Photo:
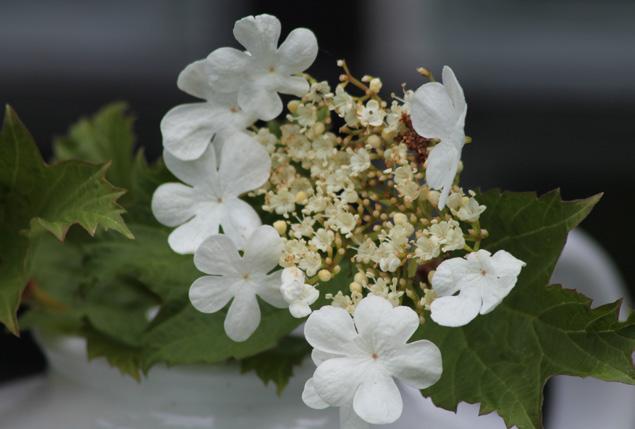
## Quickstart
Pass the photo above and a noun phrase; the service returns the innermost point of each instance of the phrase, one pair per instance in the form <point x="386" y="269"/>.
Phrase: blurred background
<point x="550" y="84"/>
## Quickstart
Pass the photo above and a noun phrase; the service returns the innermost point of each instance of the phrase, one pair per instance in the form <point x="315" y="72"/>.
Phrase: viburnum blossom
<point x="438" y="112"/>
<point x="239" y="279"/>
<point x="188" y="129"/>
<point x="265" y="69"/>
<point x="481" y="281"/>
<point x="358" y="360"/>
<point x="297" y="293"/>
<point x="209" y="199"/>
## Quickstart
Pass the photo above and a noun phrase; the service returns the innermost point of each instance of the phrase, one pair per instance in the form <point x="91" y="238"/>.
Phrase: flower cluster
<point x="349" y="182"/>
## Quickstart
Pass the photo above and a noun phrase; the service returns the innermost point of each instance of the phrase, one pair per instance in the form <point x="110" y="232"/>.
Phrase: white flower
<point x="345" y="106"/>
<point x="209" y="198"/>
<point x="481" y="280"/>
<point x="386" y="257"/>
<point x="359" y="359"/>
<point x="371" y="114"/>
<point x="465" y="208"/>
<point x="360" y="161"/>
<point x="265" y="70"/>
<point x="448" y="234"/>
<point x="296" y="293"/>
<point x="438" y="111"/>
<point x="323" y="239"/>
<point x="239" y="279"/>
<point x="427" y="248"/>
<point x="188" y="129"/>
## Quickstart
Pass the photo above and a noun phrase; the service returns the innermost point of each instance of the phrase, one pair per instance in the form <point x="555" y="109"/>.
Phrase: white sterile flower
<point x="359" y="359"/>
<point x="438" y="111"/>
<point x="465" y="208"/>
<point x="371" y="114"/>
<point x="188" y="129"/>
<point x="239" y="279"/>
<point x="296" y="293"/>
<point x="481" y="280"/>
<point x="209" y="198"/>
<point x="265" y="70"/>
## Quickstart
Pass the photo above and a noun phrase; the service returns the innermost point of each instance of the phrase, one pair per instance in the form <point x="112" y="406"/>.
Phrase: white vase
<point x="76" y="394"/>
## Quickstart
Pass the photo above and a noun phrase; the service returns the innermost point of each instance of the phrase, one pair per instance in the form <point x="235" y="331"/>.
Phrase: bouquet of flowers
<point x="344" y="212"/>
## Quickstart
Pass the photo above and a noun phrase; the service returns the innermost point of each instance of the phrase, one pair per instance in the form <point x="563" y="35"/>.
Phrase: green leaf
<point x="276" y="365"/>
<point x="106" y="136"/>
<point x="36" y="197"/>
<point x="503" y="359"/>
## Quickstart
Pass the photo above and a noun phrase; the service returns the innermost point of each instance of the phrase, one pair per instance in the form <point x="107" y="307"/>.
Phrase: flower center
<point x="219" y="200"/>
<point x="374" y="356"/>
<point x="483" y="272"/>
<point x="234" y="109"/>
<point x="272" y="69"/>
<point x="246" y="276"/>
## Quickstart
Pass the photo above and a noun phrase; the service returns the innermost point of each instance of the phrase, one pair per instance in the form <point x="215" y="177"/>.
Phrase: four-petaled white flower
<point x="481" y="280"/>
<point x="209" y="199"/>
<point x="239" y="279"/>
<point x="438" y="111"/>
<point x="188" y="129"/>
<point x="265" y="70"/>
<point x="359" y="359"/>
<point x="296" y="293"/>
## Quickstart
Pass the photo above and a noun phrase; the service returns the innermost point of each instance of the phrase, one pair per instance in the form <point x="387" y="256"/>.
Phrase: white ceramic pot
<point x="77" y="394"/>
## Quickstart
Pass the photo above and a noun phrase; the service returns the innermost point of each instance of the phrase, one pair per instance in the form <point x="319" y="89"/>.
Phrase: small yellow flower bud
<point x="359" y="278"/>
<point x="292" y="105"/>
<point x="337" y="269"/>
<point x="355" y="287"/>
<point x="318" y="128"/>
<point x="374" y="141"/>
<point x="280" y="226"/>
<point x="433" y="198"/>
<point x="300" y="197"/>
<point x="375" y="85"/>
<point x="324" y="275"/>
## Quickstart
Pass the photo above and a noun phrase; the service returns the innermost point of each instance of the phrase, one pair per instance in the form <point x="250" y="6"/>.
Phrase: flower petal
<point x="243" y="316"/>
<point x="330" y="329"/>
<point x="263" y="249"/>
<point x="198" y="172"/>
<point x="189" y="236"/>
<point x="396" y="327"/>
<point x="445" y="280"/>
<point x="298" y="51"/>
<point x="454" y="91"/>
<point x="259" y="34"/>
<point x="269" y="290"/>
<point x="239" y="221"/>
<point x="244" y="165"/>
<point x="457" y="310"/>
<point x="187" y="130"/>
<point x="218" y="255"/>
<point x="336" y="380"/>
<point x="260" y="100"/>
<point x="432" y="111"/>
<point x="350" y="420"/>
<point x="311" y="398"/>
<point x="173" y="204"/>
<point x="442" y="165"/>
<point x="369" y="313"/>
<point x="194" y="80"/>
<point x="226" y="68"/>
<point x="318" y="356"/>
<point x="418" y="364"/>
<point x="209" y="294"/>
<point x="378" y="400"/>
<point x="299" y="310"/>
<point x="294" y="85"/>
